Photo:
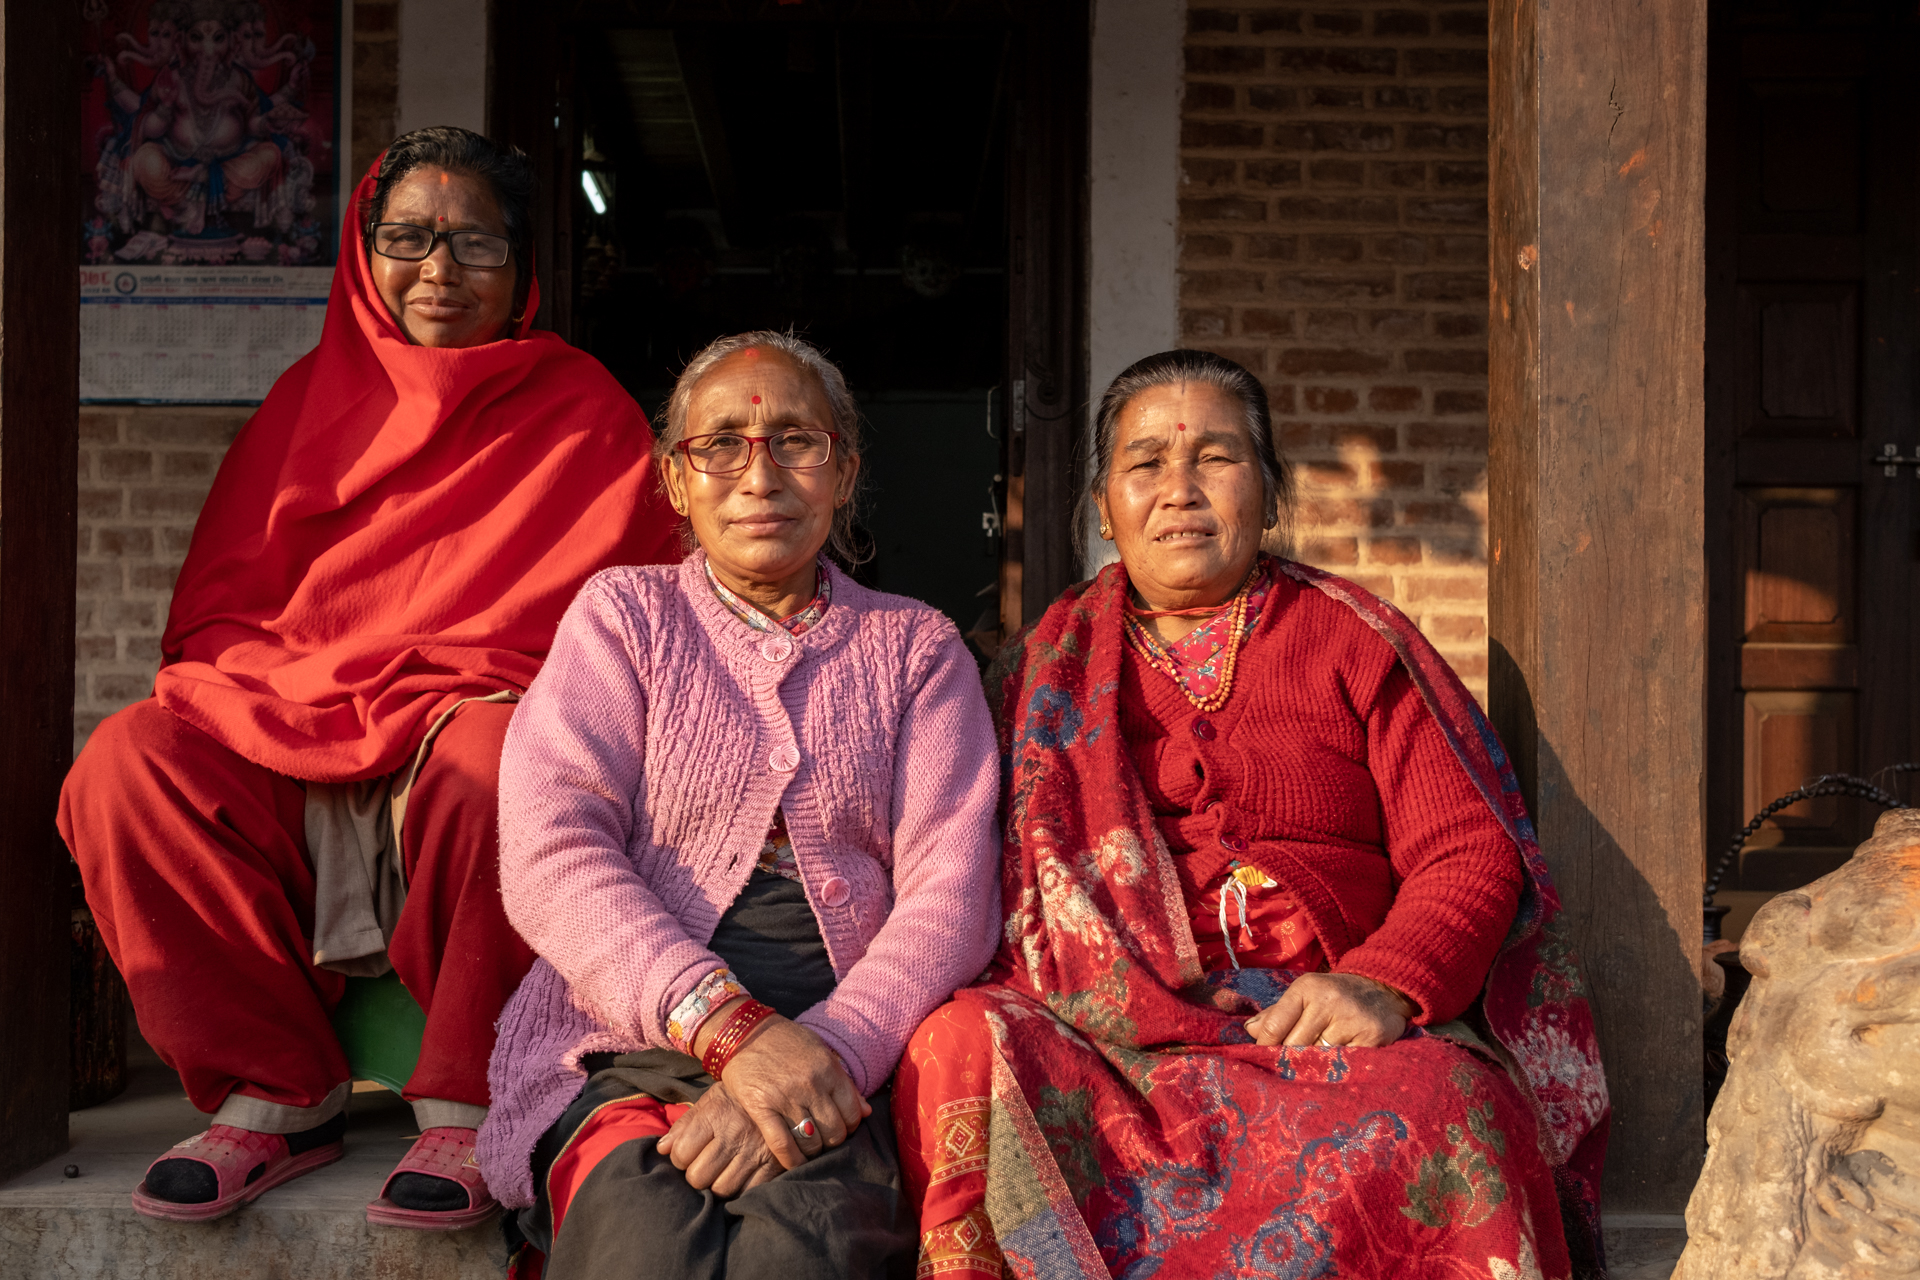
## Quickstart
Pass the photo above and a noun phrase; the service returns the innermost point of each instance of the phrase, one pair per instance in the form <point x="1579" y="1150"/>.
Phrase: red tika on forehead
<point x="756" y="399"/>
<point x="1181" y="425"/>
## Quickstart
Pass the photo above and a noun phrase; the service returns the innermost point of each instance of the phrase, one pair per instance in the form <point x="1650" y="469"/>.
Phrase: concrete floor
<point x="1643" y="1246"/>
<point x="57" y="1228"/>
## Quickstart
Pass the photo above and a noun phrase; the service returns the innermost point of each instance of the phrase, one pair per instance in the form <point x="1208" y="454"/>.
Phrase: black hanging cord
<point x="1829" y="784"/>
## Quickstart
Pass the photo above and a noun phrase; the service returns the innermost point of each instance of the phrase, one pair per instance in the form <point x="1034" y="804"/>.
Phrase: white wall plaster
<point x="1134" y="252"/>
<point x="443" y="64"/>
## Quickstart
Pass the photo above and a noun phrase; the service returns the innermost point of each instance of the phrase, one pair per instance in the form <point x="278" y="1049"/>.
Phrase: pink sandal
<point x="442" y="1152"/>
<point x="245" y="1166"/>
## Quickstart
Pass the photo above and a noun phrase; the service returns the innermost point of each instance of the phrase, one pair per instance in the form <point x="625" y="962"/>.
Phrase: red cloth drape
<point x="399" y="527"/>
<point x="199" y="875"/>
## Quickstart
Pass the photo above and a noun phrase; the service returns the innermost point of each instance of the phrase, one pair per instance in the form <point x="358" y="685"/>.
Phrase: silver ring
<point x="1324" y="1044"/>
<point x="805" y="1129"/>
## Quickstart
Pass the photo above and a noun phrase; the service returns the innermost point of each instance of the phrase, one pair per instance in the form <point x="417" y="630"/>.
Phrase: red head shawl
<point x="399" y="527"/>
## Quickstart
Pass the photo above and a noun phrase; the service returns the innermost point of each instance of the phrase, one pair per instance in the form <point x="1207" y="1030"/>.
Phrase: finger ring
<point x="1324" y="1044"/>
<point x="805" y="1128"/>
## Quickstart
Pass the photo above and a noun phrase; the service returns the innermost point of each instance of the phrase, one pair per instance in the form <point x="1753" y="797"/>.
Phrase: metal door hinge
<point x="1891" y="460"/>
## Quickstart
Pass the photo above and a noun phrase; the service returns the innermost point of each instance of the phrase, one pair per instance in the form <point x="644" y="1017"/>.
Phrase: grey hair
<point x="1170" y="368"/>
<point x="846" y="415"/>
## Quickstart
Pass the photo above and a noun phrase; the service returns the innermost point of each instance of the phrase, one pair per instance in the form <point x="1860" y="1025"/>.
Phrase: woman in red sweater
<point x="1283" y="988"/>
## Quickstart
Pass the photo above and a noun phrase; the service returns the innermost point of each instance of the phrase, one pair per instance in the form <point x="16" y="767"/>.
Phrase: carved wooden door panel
<point x="1812" y="310"/>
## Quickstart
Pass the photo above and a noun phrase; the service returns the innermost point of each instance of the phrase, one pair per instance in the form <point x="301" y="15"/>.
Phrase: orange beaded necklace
<point x="1157" y="656"/>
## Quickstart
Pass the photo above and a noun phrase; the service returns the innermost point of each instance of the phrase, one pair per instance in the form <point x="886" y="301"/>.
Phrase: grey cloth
<point x="261" y="1116"/>
<point x="359" y="868"/>
<point x="771" y="940"/>
<point x="840" y="1216"/>
<point x="359" y="880"/>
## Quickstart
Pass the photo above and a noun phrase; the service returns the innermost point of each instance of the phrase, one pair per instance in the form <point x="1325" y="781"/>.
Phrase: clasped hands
<point x="741" y="1133"/>
<point x="1333" y="1009"/>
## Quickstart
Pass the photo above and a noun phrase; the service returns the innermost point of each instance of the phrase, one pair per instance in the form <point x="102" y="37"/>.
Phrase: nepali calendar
<point x="160" y="335"/>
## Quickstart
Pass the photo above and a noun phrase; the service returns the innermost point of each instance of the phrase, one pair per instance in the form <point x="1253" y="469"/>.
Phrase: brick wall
<point x="1333" y="239"/>
<point x="376" y="79"/>
<point x="1333" y="225"/>
<point x="144" y="472"/>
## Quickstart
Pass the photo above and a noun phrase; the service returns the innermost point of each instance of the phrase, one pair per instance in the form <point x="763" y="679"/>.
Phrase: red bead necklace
<point x="1157" y="656"/>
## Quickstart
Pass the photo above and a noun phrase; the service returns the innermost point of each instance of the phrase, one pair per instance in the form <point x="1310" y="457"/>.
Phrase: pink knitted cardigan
<point x="639" y="777"/>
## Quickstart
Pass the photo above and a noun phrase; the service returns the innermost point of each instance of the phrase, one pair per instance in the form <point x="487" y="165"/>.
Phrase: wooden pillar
<point x="39" y="378"/>
<point x="1046" y="294"/>
<point x="1597" y="608"/>
<point x="530" y="106"/>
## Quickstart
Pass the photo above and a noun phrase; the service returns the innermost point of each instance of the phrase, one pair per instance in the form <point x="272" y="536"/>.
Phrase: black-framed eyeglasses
<point x="408" y="243"/>
<point x="722" y="453"/>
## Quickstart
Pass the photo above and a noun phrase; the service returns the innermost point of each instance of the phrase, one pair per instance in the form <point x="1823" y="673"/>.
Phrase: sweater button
<point x="836" y="891"/>
<point x="1234" y="843"/>
<point x="785" y="759"/>
<point x="776" y="648"/>
<point x="1203" y="730"/>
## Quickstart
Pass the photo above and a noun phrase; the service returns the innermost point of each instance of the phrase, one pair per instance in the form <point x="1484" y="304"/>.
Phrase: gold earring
<point x="1106" y="531"/>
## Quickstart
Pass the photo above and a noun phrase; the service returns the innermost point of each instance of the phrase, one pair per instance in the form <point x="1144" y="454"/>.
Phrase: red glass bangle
<point x="728" y="1040"/>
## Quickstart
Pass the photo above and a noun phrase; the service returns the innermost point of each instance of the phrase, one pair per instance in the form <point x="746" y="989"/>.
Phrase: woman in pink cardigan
<point x="747" y="819"/>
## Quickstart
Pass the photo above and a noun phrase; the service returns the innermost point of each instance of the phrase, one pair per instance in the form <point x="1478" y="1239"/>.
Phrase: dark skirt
<point x="842" y="1214"/>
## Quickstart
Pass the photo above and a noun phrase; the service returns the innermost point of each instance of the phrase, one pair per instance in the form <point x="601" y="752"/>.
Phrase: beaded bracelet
<point x="733" y="1034"/>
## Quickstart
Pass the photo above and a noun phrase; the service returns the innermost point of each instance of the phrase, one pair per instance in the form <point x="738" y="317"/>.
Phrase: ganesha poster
<point x="210" y="189"/>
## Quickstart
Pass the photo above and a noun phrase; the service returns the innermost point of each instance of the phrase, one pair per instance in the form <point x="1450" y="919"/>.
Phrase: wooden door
<point x="1812" y="307"/>
<point x="537" y="46"/>
<point x="39" y="425"/>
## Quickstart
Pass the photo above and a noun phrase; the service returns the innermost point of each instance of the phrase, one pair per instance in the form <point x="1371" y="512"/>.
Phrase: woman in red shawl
<point x="309" y="793"/>
<point x="1283" y="989"/>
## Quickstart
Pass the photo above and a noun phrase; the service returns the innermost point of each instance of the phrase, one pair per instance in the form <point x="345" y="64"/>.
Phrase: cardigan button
<point x="1203" y="730"/>
<point x="785" y="759"/>
<point x="1235" y="843"/>
<point x="776" y="648"/>
<point x="836" y="891"/>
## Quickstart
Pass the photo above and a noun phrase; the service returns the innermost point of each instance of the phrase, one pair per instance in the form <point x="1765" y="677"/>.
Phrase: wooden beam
<point x="1597" y="583"/>
<point x="1046" y="329"/>
<point x="39" y="454"/>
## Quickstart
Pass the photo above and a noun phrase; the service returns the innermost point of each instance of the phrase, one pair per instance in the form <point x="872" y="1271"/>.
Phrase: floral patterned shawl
<point x="1133" y="1125"/>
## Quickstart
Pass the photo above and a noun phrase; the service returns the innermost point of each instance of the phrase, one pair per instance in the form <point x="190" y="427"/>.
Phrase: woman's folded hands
<point x="1329" y="1009"/>
<point x="718" y="1146"/>
<point x="753" y="1125"/>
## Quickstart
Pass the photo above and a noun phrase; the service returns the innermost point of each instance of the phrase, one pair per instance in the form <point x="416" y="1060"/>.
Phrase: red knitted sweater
<point x="1327" y="771"/>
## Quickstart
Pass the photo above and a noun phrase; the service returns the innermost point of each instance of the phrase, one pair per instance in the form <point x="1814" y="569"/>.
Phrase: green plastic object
<point x="380" y="1026"/>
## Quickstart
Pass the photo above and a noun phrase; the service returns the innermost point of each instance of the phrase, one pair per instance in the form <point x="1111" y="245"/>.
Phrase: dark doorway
<point x="901" y="183"/>
<point x="1813" y="339"/>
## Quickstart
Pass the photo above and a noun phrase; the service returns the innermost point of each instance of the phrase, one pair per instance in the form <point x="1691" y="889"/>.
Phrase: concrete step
<point x="57" y="1228"/>
<point x="1643" y="1246"/>
<point x="314" y="1228"/>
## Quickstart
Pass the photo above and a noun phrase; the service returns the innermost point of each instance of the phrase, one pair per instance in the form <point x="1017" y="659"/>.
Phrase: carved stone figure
<point x="1813" y="1171"/>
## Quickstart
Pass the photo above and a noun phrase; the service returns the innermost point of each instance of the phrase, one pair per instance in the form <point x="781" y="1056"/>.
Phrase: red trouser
<point x="196" y="867"/>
